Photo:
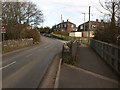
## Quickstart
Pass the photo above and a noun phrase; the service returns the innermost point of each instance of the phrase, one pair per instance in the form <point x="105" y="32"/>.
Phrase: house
<point x="94" y="25"/>
<point x="64" y="28"/>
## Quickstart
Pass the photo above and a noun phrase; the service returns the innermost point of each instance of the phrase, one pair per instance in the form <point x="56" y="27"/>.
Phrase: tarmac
<point x="90" y="72"/>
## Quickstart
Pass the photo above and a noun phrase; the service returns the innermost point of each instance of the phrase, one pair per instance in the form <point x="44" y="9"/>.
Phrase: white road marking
<point x="28" y="55"/>
<point x="9" y="59"/>
<point x="8" y="65"/>
<point x="47" y="46"/>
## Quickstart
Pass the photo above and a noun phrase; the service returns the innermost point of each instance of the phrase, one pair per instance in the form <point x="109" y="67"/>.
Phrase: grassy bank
<point x="63" y="37"/>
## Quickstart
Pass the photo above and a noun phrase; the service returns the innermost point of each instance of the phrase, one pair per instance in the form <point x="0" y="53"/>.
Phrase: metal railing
<point x="110" y="53"/>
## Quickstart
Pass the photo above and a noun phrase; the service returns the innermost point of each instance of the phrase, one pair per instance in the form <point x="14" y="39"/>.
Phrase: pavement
<point x="25" y="68"/>
<point x="50" y="77"/>
<point x="90" y="72"/>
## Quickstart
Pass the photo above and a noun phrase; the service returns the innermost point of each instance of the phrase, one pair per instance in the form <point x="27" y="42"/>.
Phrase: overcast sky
<point x="70" y="9"/>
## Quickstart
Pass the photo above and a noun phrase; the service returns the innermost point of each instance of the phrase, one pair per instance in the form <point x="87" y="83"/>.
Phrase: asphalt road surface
<point x="26" y="68"/>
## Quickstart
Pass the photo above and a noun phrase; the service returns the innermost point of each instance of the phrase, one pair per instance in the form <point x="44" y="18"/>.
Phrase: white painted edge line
<point x="29" y="55"/>
<point x="47" y="46"/>
<point x="94" y="74"/>
<point x="58" y="75"/>
<point x="8" y="65"/>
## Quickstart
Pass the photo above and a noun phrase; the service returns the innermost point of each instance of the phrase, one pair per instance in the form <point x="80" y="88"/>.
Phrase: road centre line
<point x="47" y="46"/>
<point x="8" y="65"/>
<point x="20" y="54"/>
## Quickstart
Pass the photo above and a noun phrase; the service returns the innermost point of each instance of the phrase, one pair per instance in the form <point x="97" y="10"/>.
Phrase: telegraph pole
<point x="89" y="26"/>
<point x="61" y="17"/>
<point x="84" y="21"/>
<point x="61" y="25"/>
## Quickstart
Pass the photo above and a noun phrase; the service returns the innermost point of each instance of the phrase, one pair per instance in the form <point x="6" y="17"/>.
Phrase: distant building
<point x="94" y="25"/>
<point x="64" y="28"/>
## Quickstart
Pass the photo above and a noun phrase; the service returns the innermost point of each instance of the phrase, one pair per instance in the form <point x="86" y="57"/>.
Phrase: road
<point x="26" y="68"/>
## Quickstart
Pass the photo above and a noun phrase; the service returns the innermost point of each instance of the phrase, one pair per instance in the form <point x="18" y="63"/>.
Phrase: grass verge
<point x="59" y="36"/>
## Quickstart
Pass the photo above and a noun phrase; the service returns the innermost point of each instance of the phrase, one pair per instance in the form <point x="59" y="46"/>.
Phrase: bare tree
<point x="16" y="13"/>
<point x="113" y="8"/>
<point x="110" y="33"/>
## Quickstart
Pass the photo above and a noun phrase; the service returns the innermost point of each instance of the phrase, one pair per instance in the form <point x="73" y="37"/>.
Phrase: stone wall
<point x="11" y="45"/>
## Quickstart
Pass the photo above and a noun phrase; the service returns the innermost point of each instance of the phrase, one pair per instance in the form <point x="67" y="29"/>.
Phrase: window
<point x="81" y="27"/>
<point x="93" y="26"/>
<point x="62" y="25"/>
<point x="59" y="26"/>
<point x="72" y="25"/>
<point x="102" y="26"/>
<point x="62" y="30"/>
<point x="65" y="25"/>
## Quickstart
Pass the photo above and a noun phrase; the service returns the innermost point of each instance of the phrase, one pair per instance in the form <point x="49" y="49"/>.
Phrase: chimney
<point x="102" y="20"/>
<point x="96" y="20"/>
<point x="67" y="20"/>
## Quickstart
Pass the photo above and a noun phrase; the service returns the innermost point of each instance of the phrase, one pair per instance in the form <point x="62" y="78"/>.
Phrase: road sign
<point x="3" y="30"/>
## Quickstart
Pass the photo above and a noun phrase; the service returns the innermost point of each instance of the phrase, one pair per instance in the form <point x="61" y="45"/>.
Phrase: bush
<point x="36" y="36"/>
<point x="107" y="35"/>
<point x="31" y="33"/>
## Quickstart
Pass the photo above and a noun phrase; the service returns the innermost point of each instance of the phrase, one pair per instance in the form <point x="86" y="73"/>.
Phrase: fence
<point x="10" y="45"/>
<point x="110" y="53"/>
<point x="69" y="52"/>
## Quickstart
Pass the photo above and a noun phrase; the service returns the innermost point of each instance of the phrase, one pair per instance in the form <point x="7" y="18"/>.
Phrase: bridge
<point x="98" y="66"/>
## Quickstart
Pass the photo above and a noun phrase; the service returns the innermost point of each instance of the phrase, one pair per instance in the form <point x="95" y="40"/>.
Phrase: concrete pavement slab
<point x="72" y="77"/>
<point x="90" y="72"/>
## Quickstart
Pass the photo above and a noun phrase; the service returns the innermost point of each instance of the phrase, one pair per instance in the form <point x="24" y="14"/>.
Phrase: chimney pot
<point x="96" y="20"/>
<point x="101" y="20"/>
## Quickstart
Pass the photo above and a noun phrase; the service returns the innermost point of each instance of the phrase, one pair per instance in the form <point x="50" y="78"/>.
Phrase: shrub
<point x="31" y="33"/>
